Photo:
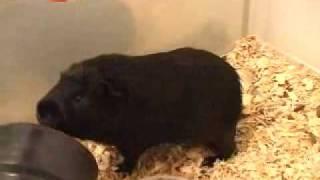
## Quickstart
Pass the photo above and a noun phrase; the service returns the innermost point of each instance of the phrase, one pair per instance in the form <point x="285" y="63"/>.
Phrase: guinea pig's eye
<point x="78" y="98"/>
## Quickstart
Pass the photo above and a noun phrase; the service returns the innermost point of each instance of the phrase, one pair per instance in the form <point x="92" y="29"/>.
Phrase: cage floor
<point x="277" y="138"/>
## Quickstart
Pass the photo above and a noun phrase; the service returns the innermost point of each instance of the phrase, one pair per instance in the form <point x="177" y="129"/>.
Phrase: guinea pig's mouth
<point x="49" y="114"/>
<point x="52" y="123"/>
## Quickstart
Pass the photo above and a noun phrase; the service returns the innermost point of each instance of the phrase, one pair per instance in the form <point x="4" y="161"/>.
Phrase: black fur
<point x="134" y="102"/>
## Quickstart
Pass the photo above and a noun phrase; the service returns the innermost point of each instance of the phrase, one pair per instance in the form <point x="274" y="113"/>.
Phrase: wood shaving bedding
<point x="277" y="137"/>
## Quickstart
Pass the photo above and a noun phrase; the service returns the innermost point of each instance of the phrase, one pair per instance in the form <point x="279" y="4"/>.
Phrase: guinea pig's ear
<point x="113" y="88"/>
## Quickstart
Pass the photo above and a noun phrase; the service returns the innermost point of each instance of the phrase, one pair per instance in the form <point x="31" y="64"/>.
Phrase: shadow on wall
<point x="212" y="37"/>
<point x="201" y="24"/>
<point x="38" y="39"/>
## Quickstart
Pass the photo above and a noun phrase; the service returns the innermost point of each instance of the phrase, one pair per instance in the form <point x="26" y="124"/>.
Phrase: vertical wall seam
<point x="246" y="17"/>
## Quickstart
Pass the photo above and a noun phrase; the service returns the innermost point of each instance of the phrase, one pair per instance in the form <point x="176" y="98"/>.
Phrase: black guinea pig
<point x="185" y="95"/>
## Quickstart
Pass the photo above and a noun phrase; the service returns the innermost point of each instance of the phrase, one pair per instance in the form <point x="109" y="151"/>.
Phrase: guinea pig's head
<point x="84" y="103"/>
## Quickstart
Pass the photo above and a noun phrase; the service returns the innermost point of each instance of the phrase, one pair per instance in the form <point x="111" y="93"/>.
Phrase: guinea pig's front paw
<point x="125" y="167"/>
<point x="209" y="161"/>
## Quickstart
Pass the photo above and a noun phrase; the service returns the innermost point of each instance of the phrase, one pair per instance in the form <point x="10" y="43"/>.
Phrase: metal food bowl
<point x="35" y="152"/>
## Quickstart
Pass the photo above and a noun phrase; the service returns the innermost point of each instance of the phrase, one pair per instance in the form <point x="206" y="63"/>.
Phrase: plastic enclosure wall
<point x="291" y="26"/>
<point x="39" y="38"/>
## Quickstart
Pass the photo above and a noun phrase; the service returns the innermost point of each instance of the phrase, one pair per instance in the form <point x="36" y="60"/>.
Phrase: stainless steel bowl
<point x="34" y="152"/>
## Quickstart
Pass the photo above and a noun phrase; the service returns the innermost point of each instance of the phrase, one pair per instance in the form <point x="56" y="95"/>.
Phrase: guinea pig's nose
<point x="49" y="113"/>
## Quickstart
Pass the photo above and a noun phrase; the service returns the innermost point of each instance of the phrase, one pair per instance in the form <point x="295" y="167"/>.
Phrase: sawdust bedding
<point x="277" y="137"/>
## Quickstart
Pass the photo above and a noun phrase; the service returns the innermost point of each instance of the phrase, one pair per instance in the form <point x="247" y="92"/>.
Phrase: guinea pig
<point x="185" y="95"/>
